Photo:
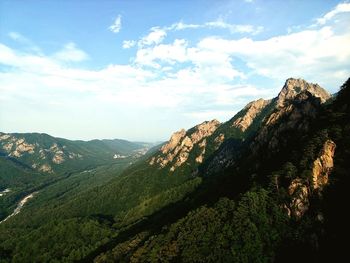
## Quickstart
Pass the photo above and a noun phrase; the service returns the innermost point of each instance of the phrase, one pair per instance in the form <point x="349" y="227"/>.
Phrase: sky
<point x="141" y="70"/>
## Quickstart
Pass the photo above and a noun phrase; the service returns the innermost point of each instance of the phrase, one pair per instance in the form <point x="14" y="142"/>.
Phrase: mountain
<point x="48" y="154"/>
<point x="32" y="161"/>
<point x="267" y="185"/>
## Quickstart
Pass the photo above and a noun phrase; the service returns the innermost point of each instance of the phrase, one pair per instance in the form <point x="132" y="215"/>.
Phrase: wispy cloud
<point x="71" y="53"/>
<point x="129" y="43"/>
<point x="26" y="42"/>
<point x="18" y="37"/>
<point x="219" y="23"/>
<point x="339" y="9"/>
<point x="155" y="36"/>
<point x="117" y="25"/>
<point x="198" y="79"/>
<point x="234" y="28"/>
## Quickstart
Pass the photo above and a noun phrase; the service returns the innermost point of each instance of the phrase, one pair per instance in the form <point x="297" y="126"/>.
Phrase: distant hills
<point x="44" y="153"/>
<point x="268" y="185"/>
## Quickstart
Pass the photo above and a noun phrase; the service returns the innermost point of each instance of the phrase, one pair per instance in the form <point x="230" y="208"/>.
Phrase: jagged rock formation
<point x="296" y="115"/>
<point x="181" y="143"/>
<point x="323" y="166"/>
<point x="297" y="103"/>
<point x="16" y="147"/>
<point x="293" y="87"/>
<point x="252" y="110"/>
<point x="202" y="145"/>
<point x="299" y="190"/>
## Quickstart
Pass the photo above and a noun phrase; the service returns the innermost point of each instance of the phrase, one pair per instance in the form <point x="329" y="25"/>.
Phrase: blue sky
<point x="140" y="70"/>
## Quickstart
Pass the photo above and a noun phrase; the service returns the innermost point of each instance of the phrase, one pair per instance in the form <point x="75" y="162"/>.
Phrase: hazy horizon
<point x="140" y="71"/>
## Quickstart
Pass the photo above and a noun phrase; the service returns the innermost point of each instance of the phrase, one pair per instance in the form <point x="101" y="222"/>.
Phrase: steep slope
<point x="252" y="158"/>
<point x="294" y="162"/>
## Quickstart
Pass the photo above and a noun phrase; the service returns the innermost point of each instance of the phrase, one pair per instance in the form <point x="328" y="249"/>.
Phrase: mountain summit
<point x="266" y="183"/>
<point x="293" y="87"/>
<point x="192" y="147"/>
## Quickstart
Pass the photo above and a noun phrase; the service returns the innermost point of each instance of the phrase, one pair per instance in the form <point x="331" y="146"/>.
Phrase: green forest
<point x="235" y="206"/>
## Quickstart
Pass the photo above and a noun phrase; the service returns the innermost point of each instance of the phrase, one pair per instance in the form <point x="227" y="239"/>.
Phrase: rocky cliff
<point x="294" y="115"/>
<point x="301" y="190"/>
<point x="323" y="166"/>
<point x="293" y="87"/>
<point x="252" y="109"/>
<point x="177" y="150"/>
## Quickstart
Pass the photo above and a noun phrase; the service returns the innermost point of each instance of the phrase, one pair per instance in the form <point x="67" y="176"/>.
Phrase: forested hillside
<point x="269" y="185"/>
<point x="30" y="162"/>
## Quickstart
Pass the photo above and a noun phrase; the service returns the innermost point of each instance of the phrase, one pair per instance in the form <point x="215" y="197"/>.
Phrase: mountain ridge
<point x="258" y="193"/>
<point x="241" y="121"/>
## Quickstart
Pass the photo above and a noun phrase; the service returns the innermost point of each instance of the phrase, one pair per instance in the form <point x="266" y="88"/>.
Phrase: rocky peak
<point x="181" y="144"/>
<point x="252" y="110"/>
<point x="204" y="129"/>
<point x="293" y="87"/>
<point x="173" y="142"/>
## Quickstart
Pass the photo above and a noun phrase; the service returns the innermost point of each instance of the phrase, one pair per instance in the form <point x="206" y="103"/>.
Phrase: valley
<point x="20" y="206"/>
<point x="171" y="200"/>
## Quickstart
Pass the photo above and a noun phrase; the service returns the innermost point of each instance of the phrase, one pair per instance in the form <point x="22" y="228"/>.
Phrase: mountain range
<point x="268" y="185"/>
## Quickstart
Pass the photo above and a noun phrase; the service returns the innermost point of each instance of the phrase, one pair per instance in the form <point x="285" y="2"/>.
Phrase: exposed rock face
<point x="296" y="116"/>
<point x="202" y="145"/>
<point x="173" y="142"/>
<point x="300" y="198"/>
<point x="219" y="140"/>
<point x="178" y="149"/>
<point x="299" y="190"/>
<point x="252" y="110"/>
<point x="43" y="156"/>
<point x="59" y="155"/>
<point x="323" y="166"/>
<point x="297" y="103"/>
<point x="45" y="168"/>
<point x="4" y="137"/>
<point x="16" y="147"/>
<point x="293" y="87"/>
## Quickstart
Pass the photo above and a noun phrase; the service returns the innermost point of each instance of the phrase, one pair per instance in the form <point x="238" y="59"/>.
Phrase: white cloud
<point x="204" y="79"/>
<point x="219" y="23"/>
<point x="234" y="28"/>
<point x="340" y="8"/>
<point x="181" y="26"/>
<point x="117" y="25"/>
<point x="169" y="53"/>
<point x="71" y="53"/>
<point x="129" y="43"/>
<point x="306" y="54"/>
<point x="156" y="36"/>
